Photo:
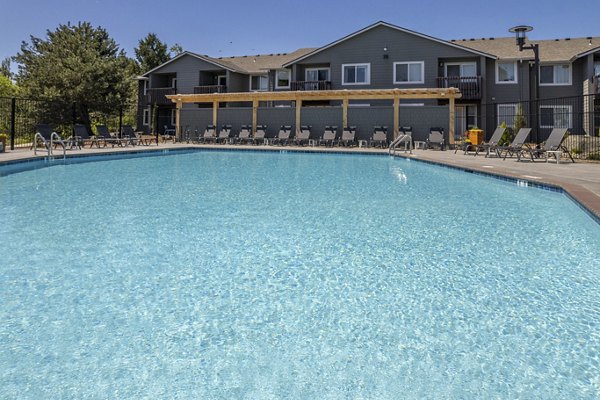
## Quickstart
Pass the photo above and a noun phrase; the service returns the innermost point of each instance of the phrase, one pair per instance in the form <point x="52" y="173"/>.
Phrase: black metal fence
<point x="19" y="116"/>
<point x="579" y="114"/>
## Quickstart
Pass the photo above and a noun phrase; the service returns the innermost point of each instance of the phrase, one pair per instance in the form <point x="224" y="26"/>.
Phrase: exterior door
<point x="465" y="118"/>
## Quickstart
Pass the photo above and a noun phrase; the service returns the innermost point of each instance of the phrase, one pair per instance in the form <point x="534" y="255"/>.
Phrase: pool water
<point x="223" y="275"/>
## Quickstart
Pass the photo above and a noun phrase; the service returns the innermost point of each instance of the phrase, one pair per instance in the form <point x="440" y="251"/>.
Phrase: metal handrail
<point x="58" y="140"/>
<point x="404" y="138"/>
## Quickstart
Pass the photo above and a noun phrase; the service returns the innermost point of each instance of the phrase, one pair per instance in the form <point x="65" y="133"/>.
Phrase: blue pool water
<point x="223" y="275"/>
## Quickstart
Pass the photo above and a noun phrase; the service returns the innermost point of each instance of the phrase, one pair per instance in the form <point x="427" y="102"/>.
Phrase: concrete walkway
<point x="581" y="180"/>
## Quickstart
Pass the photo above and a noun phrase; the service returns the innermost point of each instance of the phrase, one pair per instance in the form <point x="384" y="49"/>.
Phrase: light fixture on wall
<point x="385" y="54"/>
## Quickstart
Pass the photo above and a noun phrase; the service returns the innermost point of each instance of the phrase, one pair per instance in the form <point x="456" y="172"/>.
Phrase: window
<point x="173" y="117"/>
<point x="146" y="117"/>
<point x="506" y="72"/>
<point x="555" y="116"/>
<point x="356" y="74"/>
<point x="145" y="87"/>
<point x="597" y="69"/>
<point x="555" y="74"/>
<point x="461" y="69"/>
<point x="259" y="83"/>
<point x="507" y="114"/>
<point x="282" y="79"/>
<point x="409" y="72"/>
<point x="317" y="74"/>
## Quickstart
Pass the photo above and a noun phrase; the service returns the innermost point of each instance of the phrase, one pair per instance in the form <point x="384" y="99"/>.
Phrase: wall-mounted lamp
<point x="385" y="54"/>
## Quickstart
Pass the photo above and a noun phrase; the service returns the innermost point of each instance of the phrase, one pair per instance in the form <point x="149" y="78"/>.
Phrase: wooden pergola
<point x="299" y="96"/>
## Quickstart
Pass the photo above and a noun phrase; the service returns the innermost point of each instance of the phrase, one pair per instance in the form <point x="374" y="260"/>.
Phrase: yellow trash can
<point x="476" y="136"/>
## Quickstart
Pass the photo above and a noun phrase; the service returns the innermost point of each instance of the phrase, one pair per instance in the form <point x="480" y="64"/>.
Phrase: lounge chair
<point x="329" y="135"/>
<point x="283" y="136"/>
<point x="46" y="135"/>
<point x="259" y="135"/>
<point x="244" y="135"/>
<point x="552" y="145"/>
<point x="379" y="137"/>
<point x="436" y="138"/>
<point x="224" y="134"/>
<point x="348" y="136"/>
<point x="209" y="135"/>
<point x="103" y="136"/>
<point x="128" y="136"/>
<point x="303" y="137"/>
<point x="81" y="136"/>
<point x="491" y="144"/>
<point x="168" y="134"/>
<point x="516" y="146"/>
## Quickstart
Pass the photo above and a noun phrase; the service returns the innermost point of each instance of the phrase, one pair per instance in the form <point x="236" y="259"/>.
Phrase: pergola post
<point x="396" y="117"/>
<point x="254" y="115"/>
<point x="451" y="122"/>
<point x="344" y="112"/>
<point x="215" y="113"/>
<point x="298" y="115"/>
<point x="178" y="106"/>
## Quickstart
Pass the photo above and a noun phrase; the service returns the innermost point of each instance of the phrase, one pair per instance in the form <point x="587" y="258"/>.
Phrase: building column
<point x="178" y="106"/>
<point x="344" y="113"/>
<point x="298" y="115"/>
<point x="254" y="115"/>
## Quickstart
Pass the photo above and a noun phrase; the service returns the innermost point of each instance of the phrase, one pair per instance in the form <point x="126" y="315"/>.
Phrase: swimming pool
<point x="245" y="275"/>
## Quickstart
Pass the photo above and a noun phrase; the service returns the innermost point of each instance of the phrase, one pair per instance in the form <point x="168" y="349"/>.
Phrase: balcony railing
<point x="208" y="89"/>
<point x="311" y="85"/>
<point x="157" y="96"/>
<point x="469" y="86"/>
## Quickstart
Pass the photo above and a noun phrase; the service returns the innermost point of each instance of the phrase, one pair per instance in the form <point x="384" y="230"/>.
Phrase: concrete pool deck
<point x="581" y="180"/>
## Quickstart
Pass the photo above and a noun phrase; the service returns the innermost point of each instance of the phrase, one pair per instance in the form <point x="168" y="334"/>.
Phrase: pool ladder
<point x="405" y="139"/>
<point x="54" y="139"/>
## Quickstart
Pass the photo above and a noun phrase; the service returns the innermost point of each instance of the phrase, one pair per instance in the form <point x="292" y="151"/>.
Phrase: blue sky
<point x="225" y="28"/>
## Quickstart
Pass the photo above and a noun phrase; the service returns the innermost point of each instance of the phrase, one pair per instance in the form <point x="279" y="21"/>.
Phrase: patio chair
<point x="348" y="136"/>
<point x="224" y="134"/>
<point x="168" y="134"/>
<point x="103" y="136"/>
<point x="283" y="136"/>
<point x="81" y="136"/>
<point x="259" y="135"/>
<point x="436" y="138"/>
<point x="46" y="135"/>
<point x="303" y="137"/>
<point x="130" y="136"/>
<point x="517" y="144"/>
<point x="244" y="135"/>
<point x="329" y="135"/>
<point x="209" y="134"/>
<point x="491" y="144"/>
<point x="379" y="137"/>
<point x="552" y="145"/>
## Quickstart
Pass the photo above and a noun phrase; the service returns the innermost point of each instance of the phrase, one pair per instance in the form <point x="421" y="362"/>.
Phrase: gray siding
<point x="368" y="48"/>
<point x="187" y="69"/>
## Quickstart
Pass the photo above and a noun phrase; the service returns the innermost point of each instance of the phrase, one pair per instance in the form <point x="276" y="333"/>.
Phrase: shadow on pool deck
<point x="581" y="180"/>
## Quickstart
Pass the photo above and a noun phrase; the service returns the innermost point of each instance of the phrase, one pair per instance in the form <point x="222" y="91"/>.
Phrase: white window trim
<point x="514" y="114"/>
<point x="146" y="84"/>
<point x="471" y="63"/>
<point x="318" y="69"/>
<point x="173" y="116"/>
<point x="146" y="116"/>
<point x="422" y="81"/>
<point x="368" y="74"/>
<point x="219" y="80"/>
<point x="174" y="82"/>
<point x="554" y="76"/>
<point x="499" y="82"/>
<point x="258" y="90"/>
<point x="569" y="111"/>
<point x="289" y="71"/>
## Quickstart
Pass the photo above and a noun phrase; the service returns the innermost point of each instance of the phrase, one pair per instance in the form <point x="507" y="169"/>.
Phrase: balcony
<point x="157" y="96"/>
<point x="469" y="86"/>
<point x="209" y="89"/>
<point x="311" y="85"/>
